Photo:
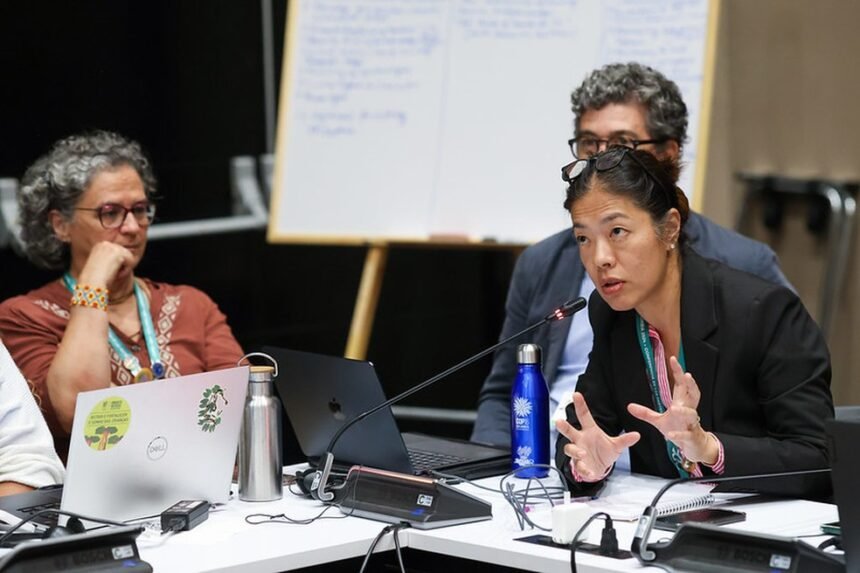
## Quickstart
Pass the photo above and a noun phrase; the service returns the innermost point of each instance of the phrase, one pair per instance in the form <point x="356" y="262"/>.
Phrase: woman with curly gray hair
<point x="85" y="209"/>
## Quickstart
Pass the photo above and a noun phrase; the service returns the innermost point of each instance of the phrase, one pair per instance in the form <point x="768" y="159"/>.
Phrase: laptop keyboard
<point x="48" y="519"/>
<point x="422" y="460"/>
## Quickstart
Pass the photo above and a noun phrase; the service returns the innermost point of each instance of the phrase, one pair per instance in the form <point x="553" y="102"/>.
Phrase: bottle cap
<point x="261" y="373"/>
<point x="528" y="354"/>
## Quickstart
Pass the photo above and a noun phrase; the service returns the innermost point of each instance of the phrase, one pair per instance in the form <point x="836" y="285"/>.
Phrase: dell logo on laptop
<point x="156" y="448"/>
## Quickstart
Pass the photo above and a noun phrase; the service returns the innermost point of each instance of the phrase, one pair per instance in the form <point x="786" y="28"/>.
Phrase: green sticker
<point x="210" y="408"/>
<point x="107" y="423"/>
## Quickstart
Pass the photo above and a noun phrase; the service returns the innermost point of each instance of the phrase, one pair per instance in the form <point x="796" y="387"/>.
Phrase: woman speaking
<point x="698" y="368"/>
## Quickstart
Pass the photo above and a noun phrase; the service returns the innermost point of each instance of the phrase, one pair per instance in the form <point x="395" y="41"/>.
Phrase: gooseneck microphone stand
<point x="318" y="486"/>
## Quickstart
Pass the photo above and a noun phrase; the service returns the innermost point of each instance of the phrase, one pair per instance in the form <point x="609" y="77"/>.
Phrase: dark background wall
<point x="186" y="80"/>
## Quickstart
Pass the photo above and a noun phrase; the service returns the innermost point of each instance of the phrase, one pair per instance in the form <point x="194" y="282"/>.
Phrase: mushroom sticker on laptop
<point x="210" y="408"/>
<point x="107" y="423"/>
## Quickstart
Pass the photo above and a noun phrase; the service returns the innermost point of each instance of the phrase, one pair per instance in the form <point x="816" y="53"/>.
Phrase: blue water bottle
<point x="529" y="414"/>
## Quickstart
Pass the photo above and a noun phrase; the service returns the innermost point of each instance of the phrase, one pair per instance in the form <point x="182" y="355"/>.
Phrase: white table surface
<point x="225" y="542"/>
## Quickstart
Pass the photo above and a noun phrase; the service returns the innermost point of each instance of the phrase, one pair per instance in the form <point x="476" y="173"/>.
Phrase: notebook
<point x="136" y="450"/>
<point x="321" y="393"/>
<point x="844" y="435"/>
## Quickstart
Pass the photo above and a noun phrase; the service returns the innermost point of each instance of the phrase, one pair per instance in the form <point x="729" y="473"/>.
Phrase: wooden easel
<point x="366" y="301"/>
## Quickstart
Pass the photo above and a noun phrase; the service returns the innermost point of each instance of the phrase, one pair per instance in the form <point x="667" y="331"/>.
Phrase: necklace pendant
<point x="144" y="375"/>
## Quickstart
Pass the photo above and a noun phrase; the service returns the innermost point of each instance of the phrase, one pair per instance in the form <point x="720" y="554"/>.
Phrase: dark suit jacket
<point x="758" y="358"/>
<point x="550" y="272"/>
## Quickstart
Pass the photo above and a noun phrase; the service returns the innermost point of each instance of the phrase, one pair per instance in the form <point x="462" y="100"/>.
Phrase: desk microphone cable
<point x="518" y="499"/>
<point x="394" y="529"/>
<point x="608" y="539"/>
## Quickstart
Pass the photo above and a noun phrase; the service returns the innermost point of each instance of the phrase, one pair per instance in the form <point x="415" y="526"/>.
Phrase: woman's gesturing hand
<point x="591" y="450"/>
<point x="680" y="422"/>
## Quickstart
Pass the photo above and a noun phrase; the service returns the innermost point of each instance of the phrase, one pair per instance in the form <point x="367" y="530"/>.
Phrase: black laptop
<point x="321" y="393"/>
<point x="844" y="437"/>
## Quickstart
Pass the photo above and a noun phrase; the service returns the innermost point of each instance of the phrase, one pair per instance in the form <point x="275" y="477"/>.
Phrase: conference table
<point x="227" y="542"/>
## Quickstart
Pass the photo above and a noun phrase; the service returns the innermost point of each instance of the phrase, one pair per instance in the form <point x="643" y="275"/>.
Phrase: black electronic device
<point x="843" y="436"/>
<point x="709" y="515"/>
<point x="105" y="550"/>
<point x="184" y="515"/>
<point x="729" y="550"/>
<point x="321" y="489"/>
<point x="422" y="502"/>
<point x="711" y="548"/>
<point x="581" y="547"/>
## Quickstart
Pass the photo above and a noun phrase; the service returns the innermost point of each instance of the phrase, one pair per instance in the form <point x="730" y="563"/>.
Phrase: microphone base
<point x="422" y="502"/>
<point x="699" y="547"/>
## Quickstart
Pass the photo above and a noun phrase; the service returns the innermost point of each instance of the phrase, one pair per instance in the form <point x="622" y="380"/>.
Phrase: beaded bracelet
<point x="85" y="295"/>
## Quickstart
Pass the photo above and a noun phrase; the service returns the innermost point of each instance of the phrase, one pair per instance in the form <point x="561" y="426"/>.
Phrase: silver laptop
<point x="136" y="450"/>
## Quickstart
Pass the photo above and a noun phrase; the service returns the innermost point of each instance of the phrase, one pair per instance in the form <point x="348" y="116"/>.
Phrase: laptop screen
<point x="322" y="393"/>
<point x="138" y="449"/>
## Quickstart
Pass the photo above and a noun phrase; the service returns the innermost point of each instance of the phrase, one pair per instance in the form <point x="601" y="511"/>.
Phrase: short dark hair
<point x="59" y="178"/>
<point x="666" y="115"/>
<point x="650" y="183"/>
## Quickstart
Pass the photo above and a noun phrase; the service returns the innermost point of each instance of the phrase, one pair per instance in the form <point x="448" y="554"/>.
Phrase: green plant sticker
<point x="107" y="423"/>
<point x="210" y="408"/>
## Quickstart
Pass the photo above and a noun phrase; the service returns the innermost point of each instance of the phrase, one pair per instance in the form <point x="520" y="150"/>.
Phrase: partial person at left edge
<point x="27" y="456"/>
<point x="85" y="209"/>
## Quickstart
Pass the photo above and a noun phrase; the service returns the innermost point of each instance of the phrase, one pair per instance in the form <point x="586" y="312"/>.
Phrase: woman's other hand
<point x="680" y="422"/>
<point x="591" y="450"/>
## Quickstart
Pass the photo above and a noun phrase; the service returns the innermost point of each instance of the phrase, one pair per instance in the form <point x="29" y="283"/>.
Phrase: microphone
<point x="639" y="546"/>
<point x="321" y="478"/>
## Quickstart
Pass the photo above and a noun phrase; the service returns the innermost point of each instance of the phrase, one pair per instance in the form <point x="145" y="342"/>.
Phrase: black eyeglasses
<point x="585" y="146"/>
<point x="112" y="215"/>
<point x="610" y="159"/>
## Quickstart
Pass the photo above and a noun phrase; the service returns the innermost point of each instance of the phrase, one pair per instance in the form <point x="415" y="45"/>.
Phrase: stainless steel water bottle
<point x="260" y="465"/>
<point x="529" y="414"/>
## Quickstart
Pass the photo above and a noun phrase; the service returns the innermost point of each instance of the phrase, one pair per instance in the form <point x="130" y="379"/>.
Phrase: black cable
<point x="608" y="539"/>
<point x="834" y="542"/>
<point x="396" y="531"/>
<point x="175" y="526"/>
<point x="373" y="545"/>
<point x="260" y="518"/>
<point x="579" y="533"/>
<point x="518" y="499"/>
<point x="58" y="512"/>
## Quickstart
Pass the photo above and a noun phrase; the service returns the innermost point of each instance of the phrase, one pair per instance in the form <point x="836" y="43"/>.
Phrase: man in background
<point x="619" y="104"/>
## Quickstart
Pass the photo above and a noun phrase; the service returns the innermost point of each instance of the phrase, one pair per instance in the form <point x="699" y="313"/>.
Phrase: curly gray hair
<point x="58" y="179"/>
<point x="666" y="116"/>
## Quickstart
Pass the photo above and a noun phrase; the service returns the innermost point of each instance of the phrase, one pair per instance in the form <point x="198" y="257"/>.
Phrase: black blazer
<point x="551" y="272"/>
<point x="758" y="358"/>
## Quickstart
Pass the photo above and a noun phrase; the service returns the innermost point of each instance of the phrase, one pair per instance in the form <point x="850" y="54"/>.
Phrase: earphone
<point x="305" y="481"/>
<point x="72" y="527"/>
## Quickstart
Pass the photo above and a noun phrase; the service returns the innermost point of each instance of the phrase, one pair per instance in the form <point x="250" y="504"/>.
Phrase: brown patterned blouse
<point x="193" y="336"/>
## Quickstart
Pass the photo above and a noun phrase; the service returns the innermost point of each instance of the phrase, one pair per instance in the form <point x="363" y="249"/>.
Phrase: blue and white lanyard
<point x="648" y="354"/>
<point x="129" y="360"/>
